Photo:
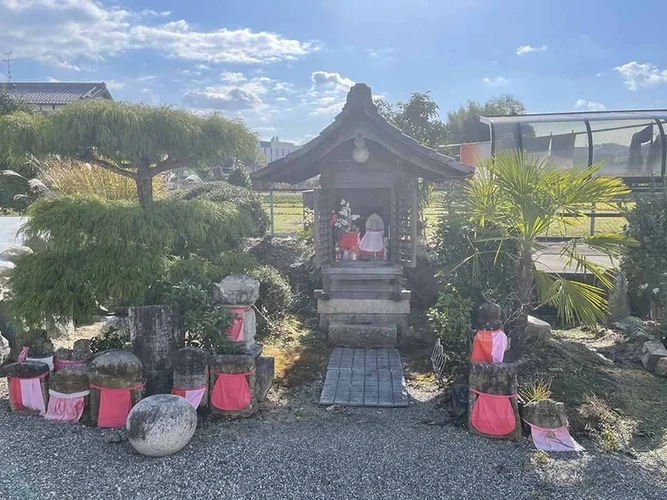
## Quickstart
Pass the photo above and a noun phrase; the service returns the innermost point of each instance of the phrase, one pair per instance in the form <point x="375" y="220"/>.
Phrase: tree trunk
<point x="144" y="188"/>
<point x="525" y="289"/>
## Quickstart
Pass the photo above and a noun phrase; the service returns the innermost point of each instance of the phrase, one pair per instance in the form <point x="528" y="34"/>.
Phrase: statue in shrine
<point x="347" y="233"/>
<point x="373" y="241"/>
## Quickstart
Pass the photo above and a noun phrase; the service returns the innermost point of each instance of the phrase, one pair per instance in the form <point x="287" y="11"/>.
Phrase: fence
<point x="288" y="216"/>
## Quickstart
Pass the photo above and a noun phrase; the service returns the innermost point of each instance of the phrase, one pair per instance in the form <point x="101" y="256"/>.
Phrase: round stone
<point x="161" y="425"/>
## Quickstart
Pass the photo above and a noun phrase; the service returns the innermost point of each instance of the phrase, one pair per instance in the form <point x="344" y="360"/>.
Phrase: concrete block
<point x="367" y="335"/>
<point x="363" y="306"/>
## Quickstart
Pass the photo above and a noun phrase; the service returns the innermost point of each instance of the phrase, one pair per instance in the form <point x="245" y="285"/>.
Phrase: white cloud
<point x="527" y="49"/>
<point x="323" y="81"/>
<point x="238" y="94"/>
<point x="115" y="85"/>
<point x="65" y="33"/>
<point x="589" y="105"/>
<point x="637" y="75"/>
<point x="327" y="93"/>
<point x="498" y="81"/>
<point x="385" y="54"/>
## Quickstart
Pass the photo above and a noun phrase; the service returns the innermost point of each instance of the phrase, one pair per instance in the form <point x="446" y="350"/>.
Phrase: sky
<point x="285" y="66"/>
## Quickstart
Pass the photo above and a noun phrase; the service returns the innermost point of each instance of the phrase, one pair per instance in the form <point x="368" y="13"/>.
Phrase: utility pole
<point x="8" y="59"/>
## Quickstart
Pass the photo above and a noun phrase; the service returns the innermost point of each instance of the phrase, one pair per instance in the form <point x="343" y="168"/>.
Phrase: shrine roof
<point x="360" y="117"/>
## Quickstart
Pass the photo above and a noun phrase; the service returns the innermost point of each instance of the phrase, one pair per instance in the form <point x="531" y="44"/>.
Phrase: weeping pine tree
<point x="140" y="141"/>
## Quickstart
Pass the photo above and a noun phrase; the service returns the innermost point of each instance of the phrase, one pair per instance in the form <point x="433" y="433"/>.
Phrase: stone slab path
<point x="364" y="377"/>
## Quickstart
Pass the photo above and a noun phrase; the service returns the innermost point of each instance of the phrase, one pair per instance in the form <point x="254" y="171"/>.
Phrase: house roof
<point x="360" y="117"/>
<point x="56" y="92"/>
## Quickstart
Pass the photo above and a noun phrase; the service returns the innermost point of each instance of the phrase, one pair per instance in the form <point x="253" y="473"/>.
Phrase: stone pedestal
<point x="363" y="322"/>
<point x="155" y="334"/>
<point x="237" y="294"/>
<point x="28" y="370"/>
<point x="229" y="364"/>
<point x="547" y="414"/>
<point x="114" y="369"/>
<point x="494" y="379"/>
<point x="191" y="370"/>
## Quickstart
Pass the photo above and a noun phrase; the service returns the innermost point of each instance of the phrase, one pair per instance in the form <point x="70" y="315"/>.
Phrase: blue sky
<point x="285" y="66"/>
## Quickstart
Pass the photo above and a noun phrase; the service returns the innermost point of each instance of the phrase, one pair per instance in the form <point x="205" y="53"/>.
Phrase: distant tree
<point x="10" y="104"/>
<point x="239" y="176"/>
<point x="463" y="125"/>
<point x="140" y="141"/>
<point x="417" y="117"/>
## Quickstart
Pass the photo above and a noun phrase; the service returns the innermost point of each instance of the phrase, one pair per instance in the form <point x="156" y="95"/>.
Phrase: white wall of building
<point x="274" y="150"/>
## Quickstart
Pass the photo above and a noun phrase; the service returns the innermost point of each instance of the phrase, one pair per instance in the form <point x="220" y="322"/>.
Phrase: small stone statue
<point x="490" y="341"/>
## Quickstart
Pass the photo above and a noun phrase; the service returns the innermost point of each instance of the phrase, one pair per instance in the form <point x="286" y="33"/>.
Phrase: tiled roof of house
<point x="56" y="92"/>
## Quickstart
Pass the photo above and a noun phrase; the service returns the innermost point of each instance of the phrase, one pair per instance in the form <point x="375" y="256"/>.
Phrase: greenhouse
<point x="631" y="144"/>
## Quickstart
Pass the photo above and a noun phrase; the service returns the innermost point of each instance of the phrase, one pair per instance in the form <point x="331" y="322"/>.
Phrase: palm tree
<point x="522" y="198"/>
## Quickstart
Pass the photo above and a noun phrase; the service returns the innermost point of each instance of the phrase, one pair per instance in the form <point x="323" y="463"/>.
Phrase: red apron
<point x="235" y="330"/>
<point x="66" y="407"/>
<point x="26" y="393"/>
<point x="59" y="364"/>
<point x="115" y="405"/>
<point x="192" y="396"/>
<point x="231" y="391"/>
<point x="493" y="414"/>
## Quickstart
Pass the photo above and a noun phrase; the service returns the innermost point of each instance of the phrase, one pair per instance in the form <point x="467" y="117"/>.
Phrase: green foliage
<point x="239" y="176"/>
<point x="9" y="104"/>
<point x="535" y="390"/>
<point x="275" y="296"/>
<point x="522" y="198"/>
<point x="108" y="254"/>
<point x="451" y="317"/>
<point x="204" y="323"/>
<point x="131" y="135"/>
<point x="491" y="275"/>
<point x="463" y="125"/>
<point x="246" y="199"/>
<point x="116" y="339"/>
<point x="645" y="265"/>
<point x="417" y="118"/>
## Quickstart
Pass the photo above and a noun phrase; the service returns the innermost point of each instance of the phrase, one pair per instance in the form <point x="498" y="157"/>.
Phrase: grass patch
<point x="300" y="352"/>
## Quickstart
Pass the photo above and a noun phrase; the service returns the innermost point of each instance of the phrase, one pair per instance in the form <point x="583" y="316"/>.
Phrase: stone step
<point x="363" y="335"/>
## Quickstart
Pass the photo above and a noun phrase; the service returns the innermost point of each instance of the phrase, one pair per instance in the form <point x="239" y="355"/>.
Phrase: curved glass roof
<point x="629" y="143"/>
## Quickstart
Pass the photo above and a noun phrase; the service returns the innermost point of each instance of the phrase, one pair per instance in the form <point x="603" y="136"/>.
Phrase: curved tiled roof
<point x="56" y="92"/>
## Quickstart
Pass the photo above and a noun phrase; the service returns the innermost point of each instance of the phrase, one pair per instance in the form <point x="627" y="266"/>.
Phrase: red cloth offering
<point x="349" y="241"/>
<point x="65" y="407"/>
<point x="115" y="405"/>
<point x="489" y="346"/>
<point x="235" y="330"/>
<point x="493" y="414"/>
<point x="26" y="393"/>
<point x="192" y="396"/>
<point x="231" y="391"/>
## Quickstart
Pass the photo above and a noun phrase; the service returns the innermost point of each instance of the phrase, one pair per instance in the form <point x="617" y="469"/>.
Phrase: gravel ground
<point x="295" y="449"/>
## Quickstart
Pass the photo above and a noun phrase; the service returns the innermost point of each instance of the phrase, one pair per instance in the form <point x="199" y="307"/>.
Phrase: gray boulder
<point x="4" y="349"/>
<point x="537" y="330"/>
<point x="15" y="252"/>
<point x="161" y="425"/>
<point x="652" y="352"/>
<point x="237" y="290"/>
<point x="546" y="413"/>
<point x="619" y="303"/>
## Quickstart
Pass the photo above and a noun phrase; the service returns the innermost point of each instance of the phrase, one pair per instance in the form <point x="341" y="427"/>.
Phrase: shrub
<point x="645" y="265"/>
<point x="239" y="176"/>
<point x="451" y="317"/>
<point x="108" y="254"/>
<point x="275" y="297"/>
<point x="116" y="339"/>
<point x="246" y="199"/>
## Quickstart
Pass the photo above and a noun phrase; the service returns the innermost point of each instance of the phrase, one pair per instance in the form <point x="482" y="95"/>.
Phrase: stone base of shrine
<point x="363" y="322"/>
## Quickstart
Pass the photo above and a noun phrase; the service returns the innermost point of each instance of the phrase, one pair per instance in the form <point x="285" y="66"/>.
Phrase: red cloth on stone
<point x="193" y="396"/>
<point x="65" y="407"/>
<point x="493" y="414"/>
<point x="115" y="405"/>
<point x="26" y="393"/>
<point x="235" y="330"/>
<point x="231" y="391"/>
